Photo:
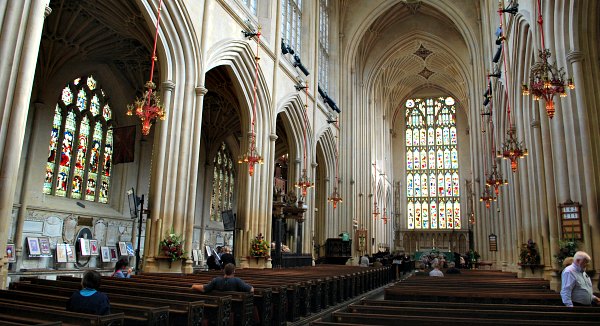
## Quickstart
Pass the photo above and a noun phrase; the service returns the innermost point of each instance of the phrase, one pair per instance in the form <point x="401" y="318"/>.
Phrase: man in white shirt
<point x="436" y="270"/>
<point x="576" y="287"/>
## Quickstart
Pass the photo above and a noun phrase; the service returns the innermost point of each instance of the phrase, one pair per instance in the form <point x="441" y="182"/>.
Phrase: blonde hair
<point x="568" y="261"/>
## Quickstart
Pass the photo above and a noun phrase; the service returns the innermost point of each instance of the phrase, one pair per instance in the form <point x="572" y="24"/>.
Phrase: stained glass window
<point x="223" y="183"/>
<point x="432" y="180"/>
<point x="324" y="44"/>
<point x="291" y="23"/>
<point x="84" y="137"/>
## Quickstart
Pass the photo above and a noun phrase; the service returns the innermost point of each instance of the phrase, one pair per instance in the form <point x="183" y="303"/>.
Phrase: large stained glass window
<point x="291" y="23"/>
<point x="80" y="151"/>
<point x="223" y="183"/>
<point x="432" y="182"/>
<point x="251" y="4"/>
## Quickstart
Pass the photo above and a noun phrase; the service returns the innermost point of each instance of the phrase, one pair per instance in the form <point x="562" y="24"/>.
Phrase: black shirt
<point x="95" y="304"/>
<point x="227" y="284"/>
<point x="227" y="258"/>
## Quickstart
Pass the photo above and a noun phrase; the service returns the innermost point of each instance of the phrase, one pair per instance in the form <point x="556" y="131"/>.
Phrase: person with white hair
<point x="576" y="287"/>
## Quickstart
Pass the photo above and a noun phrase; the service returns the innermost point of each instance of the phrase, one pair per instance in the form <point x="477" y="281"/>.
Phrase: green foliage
<point x="530" y="254"/>
<point x="172" y="246"/>
<point x="568" y="248"/>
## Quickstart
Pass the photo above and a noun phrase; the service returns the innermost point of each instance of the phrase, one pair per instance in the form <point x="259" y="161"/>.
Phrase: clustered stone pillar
<point x="20" y="37"/>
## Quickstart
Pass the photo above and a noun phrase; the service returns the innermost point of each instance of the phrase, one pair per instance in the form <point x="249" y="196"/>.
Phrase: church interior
<point x="299" y="135"/>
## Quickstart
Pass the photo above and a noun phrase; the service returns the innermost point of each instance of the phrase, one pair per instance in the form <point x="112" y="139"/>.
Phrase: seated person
<point x="121" y="269"/>
<point x="89" y="300"/>
<point x="228" y="282"/>
<point x="377" y="263"/>
<point x="213" y="263"/>
<point x="364" y="261"/>
<point x="452" y="268"/>
<point x="227" y="257"/>
<point x="436" y="270"/>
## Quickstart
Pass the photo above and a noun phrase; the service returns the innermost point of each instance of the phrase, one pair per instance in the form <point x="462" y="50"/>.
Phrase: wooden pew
<point x="180" y="312"/>
<point x="66" y="317"/>
<point x="134" y="314"/>
<point x="7" y="320"/>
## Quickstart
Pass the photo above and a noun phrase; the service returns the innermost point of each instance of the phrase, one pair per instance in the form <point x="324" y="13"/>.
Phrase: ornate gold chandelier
<point x="487" y="197"/>
<point x="148" y="108"/>
<point x="546" y="79"/>
<point x="495" y="179"/>
<point x="512" y="149"/>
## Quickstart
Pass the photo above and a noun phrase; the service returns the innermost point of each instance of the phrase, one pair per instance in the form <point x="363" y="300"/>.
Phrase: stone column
<point x="158" y="183"/>
<point x="576" y="58"/>
<point x="24" y="20"/>
<point x="192" y="181"/>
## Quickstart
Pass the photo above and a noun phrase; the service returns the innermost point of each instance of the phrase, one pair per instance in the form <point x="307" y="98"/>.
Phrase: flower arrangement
<point x="259" y="247"/>
<point x="530" y="254"/>
<point x="172" y="246"/>
<point x="568" y="248"/>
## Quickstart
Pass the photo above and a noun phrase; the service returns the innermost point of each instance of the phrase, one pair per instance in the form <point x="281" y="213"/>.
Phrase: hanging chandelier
<point x="487" y="197"/>
<point x="304" y="183"/>
<point x="375" y="210"/>
<point x="495" y="179"/>
<point x="384" y="218"/>
<point x="335" y="198"/>
<point x="252" y="156"/>
<point x="148" y="108"/>
<point x="546" y="80"/>
<point x="512" y="149"/>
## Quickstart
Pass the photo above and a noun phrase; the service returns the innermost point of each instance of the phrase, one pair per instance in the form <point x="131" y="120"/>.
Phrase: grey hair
<point x="582" y="255"/>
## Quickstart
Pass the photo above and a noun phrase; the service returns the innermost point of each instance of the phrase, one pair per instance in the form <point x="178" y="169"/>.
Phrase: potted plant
<point x="172" y="247"/>
<point x="530" y="255"/>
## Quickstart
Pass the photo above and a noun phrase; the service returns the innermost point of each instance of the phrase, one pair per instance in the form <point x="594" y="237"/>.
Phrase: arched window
<point x="324" y="44"/>
<point x="291" y="23"/>
<point x="81" y="143"/>
<point x="432" y="183"/>
<point x="223" y="183"/>
<point x="251" y="5"/>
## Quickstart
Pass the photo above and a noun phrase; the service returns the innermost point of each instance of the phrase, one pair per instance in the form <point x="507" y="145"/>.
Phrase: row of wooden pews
<point x="166" y="299"/>
<point x="470" y="298"/>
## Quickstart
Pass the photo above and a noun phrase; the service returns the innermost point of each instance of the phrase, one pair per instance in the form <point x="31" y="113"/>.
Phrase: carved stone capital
<point x="47" y="11"/>
<point x="201" y="91"/>
<point x="273" y="137"/>
<point x="168" y="85"/>
<point x="574" y="56"/>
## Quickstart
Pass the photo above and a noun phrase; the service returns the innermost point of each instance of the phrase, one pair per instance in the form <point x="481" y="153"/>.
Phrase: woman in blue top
<point x="89" y="300"/>
<point x="121" y="270"/>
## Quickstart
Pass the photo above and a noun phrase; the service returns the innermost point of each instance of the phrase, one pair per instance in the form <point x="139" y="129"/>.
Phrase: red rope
<point x="153" y="58"/>
<point x="541" y="22"/>
<point x="305" y="126"/>
<point x="253" y="140"/>
<point x="510" y="124"/>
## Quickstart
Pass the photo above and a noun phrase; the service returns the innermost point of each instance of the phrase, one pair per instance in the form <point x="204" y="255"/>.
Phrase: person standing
<point x="576" y="287"/>
<point x="227" y="257"/>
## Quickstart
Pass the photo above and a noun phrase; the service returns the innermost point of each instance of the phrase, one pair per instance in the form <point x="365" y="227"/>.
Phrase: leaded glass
<point x="223" y="183"/>
<point x="80" y="159"/>
<point x="67" y="95"/>
<point x="91" y="83"/>
<point x="431" y="149"/>
<point x="92" y="179"/>
<point x="106" y="112"/>
<point x="95" y="105"/>
<point x="324" y="44"/>
<point x="51" y="161"/>
<point x="106" y="167"/>
<point x="81" y="100"/>
<point x="410" y="214"/>
<point x="291" y="23"/>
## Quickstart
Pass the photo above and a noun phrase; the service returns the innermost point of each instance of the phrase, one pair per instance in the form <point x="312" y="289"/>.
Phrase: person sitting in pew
<point x="121" y="269"/>
<point x="436" y="270"/>
<point x="89" y="300"/>
<point x="227" y="257"/>
<point x="452" y="268"/>
<point x="228" y="282"/>
<point x="576" y="289"/>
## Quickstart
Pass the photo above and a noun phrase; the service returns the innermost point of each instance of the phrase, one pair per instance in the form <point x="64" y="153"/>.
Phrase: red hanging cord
<point x="153" y="58"/>
<point x="541" y="22"/>
<point x="510" y="124"/>
<point x="256" y="58"/>
<point x="304" y="131"/>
